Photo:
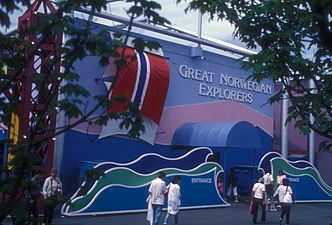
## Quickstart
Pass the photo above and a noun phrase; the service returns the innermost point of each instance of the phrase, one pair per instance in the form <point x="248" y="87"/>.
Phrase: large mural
<point x="124" y="186"/>
<point x="305" y="180"/>
<point x="173" y="90"/>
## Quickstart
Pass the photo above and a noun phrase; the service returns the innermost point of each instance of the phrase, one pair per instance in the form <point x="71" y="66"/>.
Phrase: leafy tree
<point x="79" y="42"/>
<point x="293" y="40"/>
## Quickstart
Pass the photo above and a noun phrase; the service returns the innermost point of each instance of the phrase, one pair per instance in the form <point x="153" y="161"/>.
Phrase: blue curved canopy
<point x="218" y="134"/>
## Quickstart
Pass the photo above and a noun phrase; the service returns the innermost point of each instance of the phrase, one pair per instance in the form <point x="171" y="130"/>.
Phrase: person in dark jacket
<point x="31" y="196"/>
<point x="232" y="186"/>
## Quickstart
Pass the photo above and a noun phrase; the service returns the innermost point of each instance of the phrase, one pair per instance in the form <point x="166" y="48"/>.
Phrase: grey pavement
<point x="301" y="214"/>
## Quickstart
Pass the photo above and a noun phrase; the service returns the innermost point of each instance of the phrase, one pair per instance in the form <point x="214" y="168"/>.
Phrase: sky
<point x="221" y="30"/>
<point x="217" y="29"/>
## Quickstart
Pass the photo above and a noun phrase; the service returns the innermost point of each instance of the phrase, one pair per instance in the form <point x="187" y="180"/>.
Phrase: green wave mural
<point x="304" y="178"/>
<point x="121" y="176"/>
<point x="280" y="163"/>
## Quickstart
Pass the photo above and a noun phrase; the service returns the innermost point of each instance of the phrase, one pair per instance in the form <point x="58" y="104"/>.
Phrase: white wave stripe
<point x="161" y="156"/>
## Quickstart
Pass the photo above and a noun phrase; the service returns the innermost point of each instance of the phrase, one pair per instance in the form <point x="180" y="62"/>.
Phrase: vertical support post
<point x="311" y="135"/>
<point x="283" y="122"/>
<point x="200" y="16"/>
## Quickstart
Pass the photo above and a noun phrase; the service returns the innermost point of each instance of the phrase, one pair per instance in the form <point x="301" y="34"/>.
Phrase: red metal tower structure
<point x="42" y="61"/>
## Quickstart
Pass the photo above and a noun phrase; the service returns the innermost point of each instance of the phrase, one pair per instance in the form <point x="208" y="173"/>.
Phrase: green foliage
<point x="293" y="41"/>
<point x="8" y="7"/>
<point x="94" y="174"/>
<point x="73" y="101"/>
<point x="140" y="44"/>
<point x="91" y="176"/>
<point x="132" y="119"/>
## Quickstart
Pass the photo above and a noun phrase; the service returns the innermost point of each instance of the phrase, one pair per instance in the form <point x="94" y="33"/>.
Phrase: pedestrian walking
<point x="269" y="188"/>
<point x="232" y="185"/>
<point x="157" y="191"/>
<point x="52" y="190"/>
<point x="280" y="177"/>
<point x="258" y="194"/>
<point x="285" y="192"/>
<point x="173" y="200"/>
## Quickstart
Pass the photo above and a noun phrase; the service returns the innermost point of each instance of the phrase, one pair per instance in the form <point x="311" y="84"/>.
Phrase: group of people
<point x="263" y="195"/>
<point x="50" y="189"/>
<point x="158" y="191"/>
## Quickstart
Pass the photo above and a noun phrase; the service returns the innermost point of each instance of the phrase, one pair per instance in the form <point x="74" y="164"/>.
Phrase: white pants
<point x="229" y="191"/>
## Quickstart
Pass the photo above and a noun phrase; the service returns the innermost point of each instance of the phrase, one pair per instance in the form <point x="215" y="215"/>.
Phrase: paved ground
<point x="302" y="214"/>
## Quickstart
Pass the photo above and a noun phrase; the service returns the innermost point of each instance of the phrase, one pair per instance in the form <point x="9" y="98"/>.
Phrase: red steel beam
<point x="42" y="50"/>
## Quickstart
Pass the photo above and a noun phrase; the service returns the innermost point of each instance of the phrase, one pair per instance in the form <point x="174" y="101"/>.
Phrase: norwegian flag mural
<point x="143" y="81"/>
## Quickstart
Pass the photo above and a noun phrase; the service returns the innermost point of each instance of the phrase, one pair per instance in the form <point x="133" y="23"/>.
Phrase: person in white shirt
<point x="269" y="186"/>
<point x="285" y="207"/>
<point x="174" y="201"/>
<point x="258" y="194"/>
<point x="157" y="191"/>
<point x="52" y="190"/>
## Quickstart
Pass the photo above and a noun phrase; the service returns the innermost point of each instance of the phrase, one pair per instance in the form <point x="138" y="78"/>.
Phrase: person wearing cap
<point x="258" y="195"/>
